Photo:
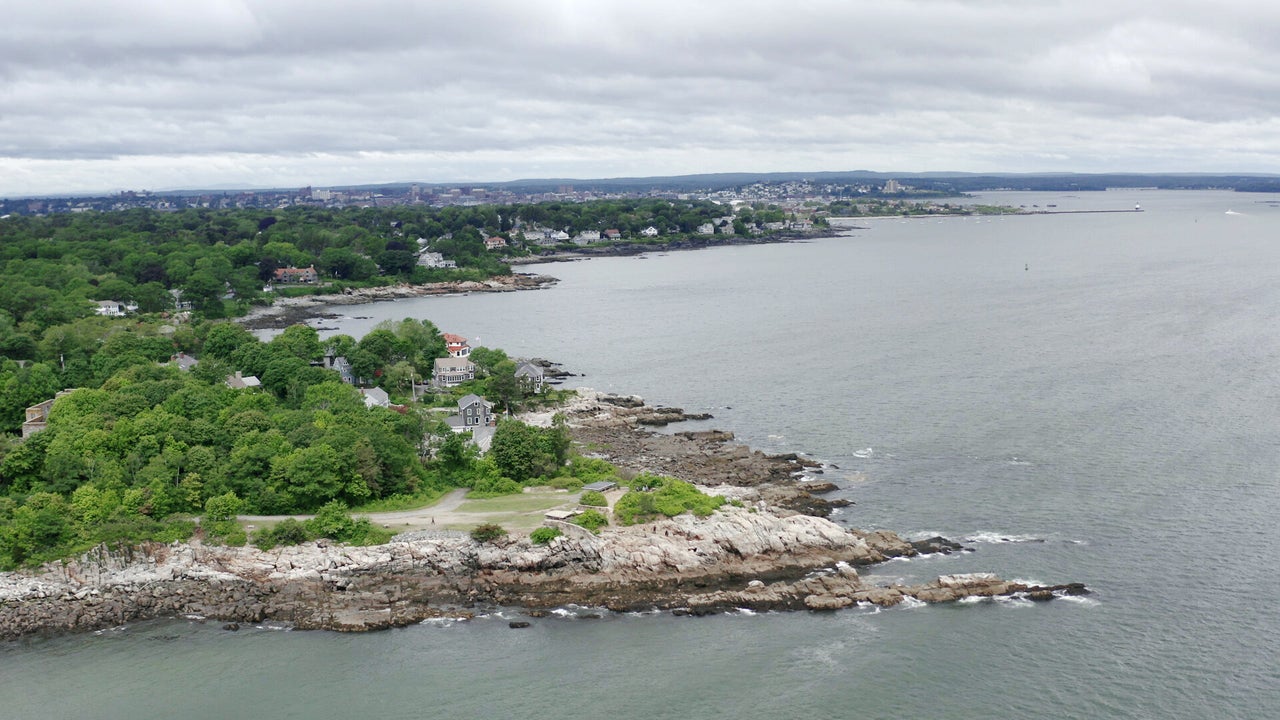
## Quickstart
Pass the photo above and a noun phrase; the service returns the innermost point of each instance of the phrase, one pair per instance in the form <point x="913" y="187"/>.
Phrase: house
<point x="531" y="377"/>
<point x="452" y="371"/>
<point x="240" y="382"/>
<point x="375" y="397"/>
<point x="115" y="308"/>
<point x="650" y="231"/>
<point x="586" y="237"/>
<point x="559" y="236"/>
<point x="435" y="260"/>
<point x="801" y="225"/>
<point x="296" y="275"/>
<point x="775" y="226"/>
<point x="705" y="229"/>
<point x="495" y="242"/>
<point x="38" y="415"/>
<point x="612" y="234"/>
<point x="183" y="361"/>
<point x="536" y="235"/>
<point x="456" y="345"/>
<point x="342" y="366"/>
<point x="475" y="410"/>
<point x="725" y="229"/>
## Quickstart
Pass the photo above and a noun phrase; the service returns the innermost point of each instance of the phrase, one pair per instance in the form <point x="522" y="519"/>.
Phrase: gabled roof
<point x="452" y="339"/>
<point x="452" y="363"/>
<point x="472" y="399"/>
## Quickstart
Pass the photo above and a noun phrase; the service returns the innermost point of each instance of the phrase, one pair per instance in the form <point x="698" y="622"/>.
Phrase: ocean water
<point x="1079" y="397"/>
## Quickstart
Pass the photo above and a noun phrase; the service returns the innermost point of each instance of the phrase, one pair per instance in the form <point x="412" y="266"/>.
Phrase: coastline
<point x="765" y="555"/>
<point x="698" y="242"/>
<point x="284" y="312"/>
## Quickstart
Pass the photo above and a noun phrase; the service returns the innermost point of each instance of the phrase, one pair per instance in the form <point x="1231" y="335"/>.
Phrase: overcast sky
<point x="100" y="95"/>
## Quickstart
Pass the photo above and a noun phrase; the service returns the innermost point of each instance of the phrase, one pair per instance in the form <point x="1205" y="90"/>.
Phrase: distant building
<point x="115" y="308"/>
<point x="342" y="366"/>
<point x="586" y="237"/>
<point x="240" y="382"/>
<point x="435" y="260"/>
<point x="296" y="275"/>
<point x="531" y="377"/>
<point x="375" y="397"/>
<point x="38" y="415"/>
<point x="495" y="242"/>
<point x="705" y="229"/>
<point x="183" y="361"/>
<point x="452" y="371"/>
<point x="892" y="186"/>
<point x="473" y="411"/>
<point x="650" y="231"/>
<point x="456" y="345"/>
<point x="612" y="234"/>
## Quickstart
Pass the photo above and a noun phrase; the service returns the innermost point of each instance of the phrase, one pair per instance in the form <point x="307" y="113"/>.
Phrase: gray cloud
<point x="147" y="93"/>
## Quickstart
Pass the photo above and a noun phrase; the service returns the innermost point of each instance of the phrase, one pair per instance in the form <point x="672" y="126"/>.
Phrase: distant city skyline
<point x="132" y="94"/>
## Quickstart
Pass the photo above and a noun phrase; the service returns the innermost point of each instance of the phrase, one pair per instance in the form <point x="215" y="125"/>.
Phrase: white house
<point x="586" y="237"/>
<point x="650" y="231"/>
<point x="375" y="397"/>
<point x="435" y="260"/>
<point x="115" y="308"/>
<point x="706" y="229"/>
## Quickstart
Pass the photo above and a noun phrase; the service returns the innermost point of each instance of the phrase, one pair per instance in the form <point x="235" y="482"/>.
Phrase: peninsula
<point x="769" y="549"/>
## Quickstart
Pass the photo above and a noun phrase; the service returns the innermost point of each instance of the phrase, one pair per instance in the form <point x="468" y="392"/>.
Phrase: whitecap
<point x="1013" y="601"/>
<point x="971" y="599"/>
<point x="747" y="612"/>
<point x="995" y="538"/>
<point x="1028" y="583"/>
<point x="1078" y="599"/>
<point x="863" y="453"/>
<point x="911" y="603"/>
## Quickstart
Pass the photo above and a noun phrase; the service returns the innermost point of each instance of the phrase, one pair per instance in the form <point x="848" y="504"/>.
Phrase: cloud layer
<point x="156" y="94"/>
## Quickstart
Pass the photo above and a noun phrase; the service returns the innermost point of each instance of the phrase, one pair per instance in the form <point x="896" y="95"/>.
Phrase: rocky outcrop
<point x="739" y="557"/>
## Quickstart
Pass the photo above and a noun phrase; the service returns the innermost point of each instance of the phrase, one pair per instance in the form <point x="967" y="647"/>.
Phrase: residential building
<point x="435" y="260"/>
<point x="183" y="361"/>
<point x="650" y="231"/>
<point x="342" y="366"/>
<point x="706" y="229"/>
<point x="612" y="234"/>
<point x="452" y="371"/>
<point x="456" y="345"/>
<point x="240" y="382"/>
<point x="37" y="418"/>
<point x="375" y="397"/>
<point x="531" y="377"/>
<point x="115" y="308"/>
<point x="296" y="275"/>
<point x="494" y="243"/>
<point x="586" y="237"/>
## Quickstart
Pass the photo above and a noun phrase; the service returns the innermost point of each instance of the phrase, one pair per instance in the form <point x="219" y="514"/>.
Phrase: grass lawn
<point x="524" y="502"/>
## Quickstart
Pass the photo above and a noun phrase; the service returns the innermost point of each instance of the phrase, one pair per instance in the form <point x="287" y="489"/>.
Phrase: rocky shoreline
<point x="629" y="249"/>
<point x="289" y="311"/>
<point x="772" y="553"/>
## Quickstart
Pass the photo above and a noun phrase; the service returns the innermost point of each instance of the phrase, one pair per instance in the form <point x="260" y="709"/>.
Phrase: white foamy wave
<point x="1013" y="601"/>
<point x="1029" y="583"/>
<point x="194" y="616"/>
<point x="994" y="538"/>
<point x="864" y="453"/>
<point x="1078" y="600"/>
<point x="746" y="612"/>
<point x="911" y="603"/>
<point x="563" y="612"/>
<point x="972" y="600"/>
<point x="440" y="621"/>
<point x="923" y="535"/>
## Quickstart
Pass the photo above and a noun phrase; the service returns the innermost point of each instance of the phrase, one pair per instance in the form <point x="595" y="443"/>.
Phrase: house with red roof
<point x="456" y="345"/>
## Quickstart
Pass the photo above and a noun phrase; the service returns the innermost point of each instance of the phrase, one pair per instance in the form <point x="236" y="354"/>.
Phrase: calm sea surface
<point x="1079" y="397"/>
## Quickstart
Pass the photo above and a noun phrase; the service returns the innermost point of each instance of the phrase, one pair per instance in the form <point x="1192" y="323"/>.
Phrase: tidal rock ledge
<point x="736" y="558"/>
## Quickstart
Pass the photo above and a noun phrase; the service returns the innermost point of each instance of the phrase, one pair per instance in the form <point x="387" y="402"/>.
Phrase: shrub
<point x="222" y="507"/>
<point x="225" y="532"/>
<point x="594" y="498"/>
<point x="287" y="532"/>
<point x="670" y="498"/>
<point x="544" y="535"/>
<point x="487" y="532"/>
<point x="591" y="520"/>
